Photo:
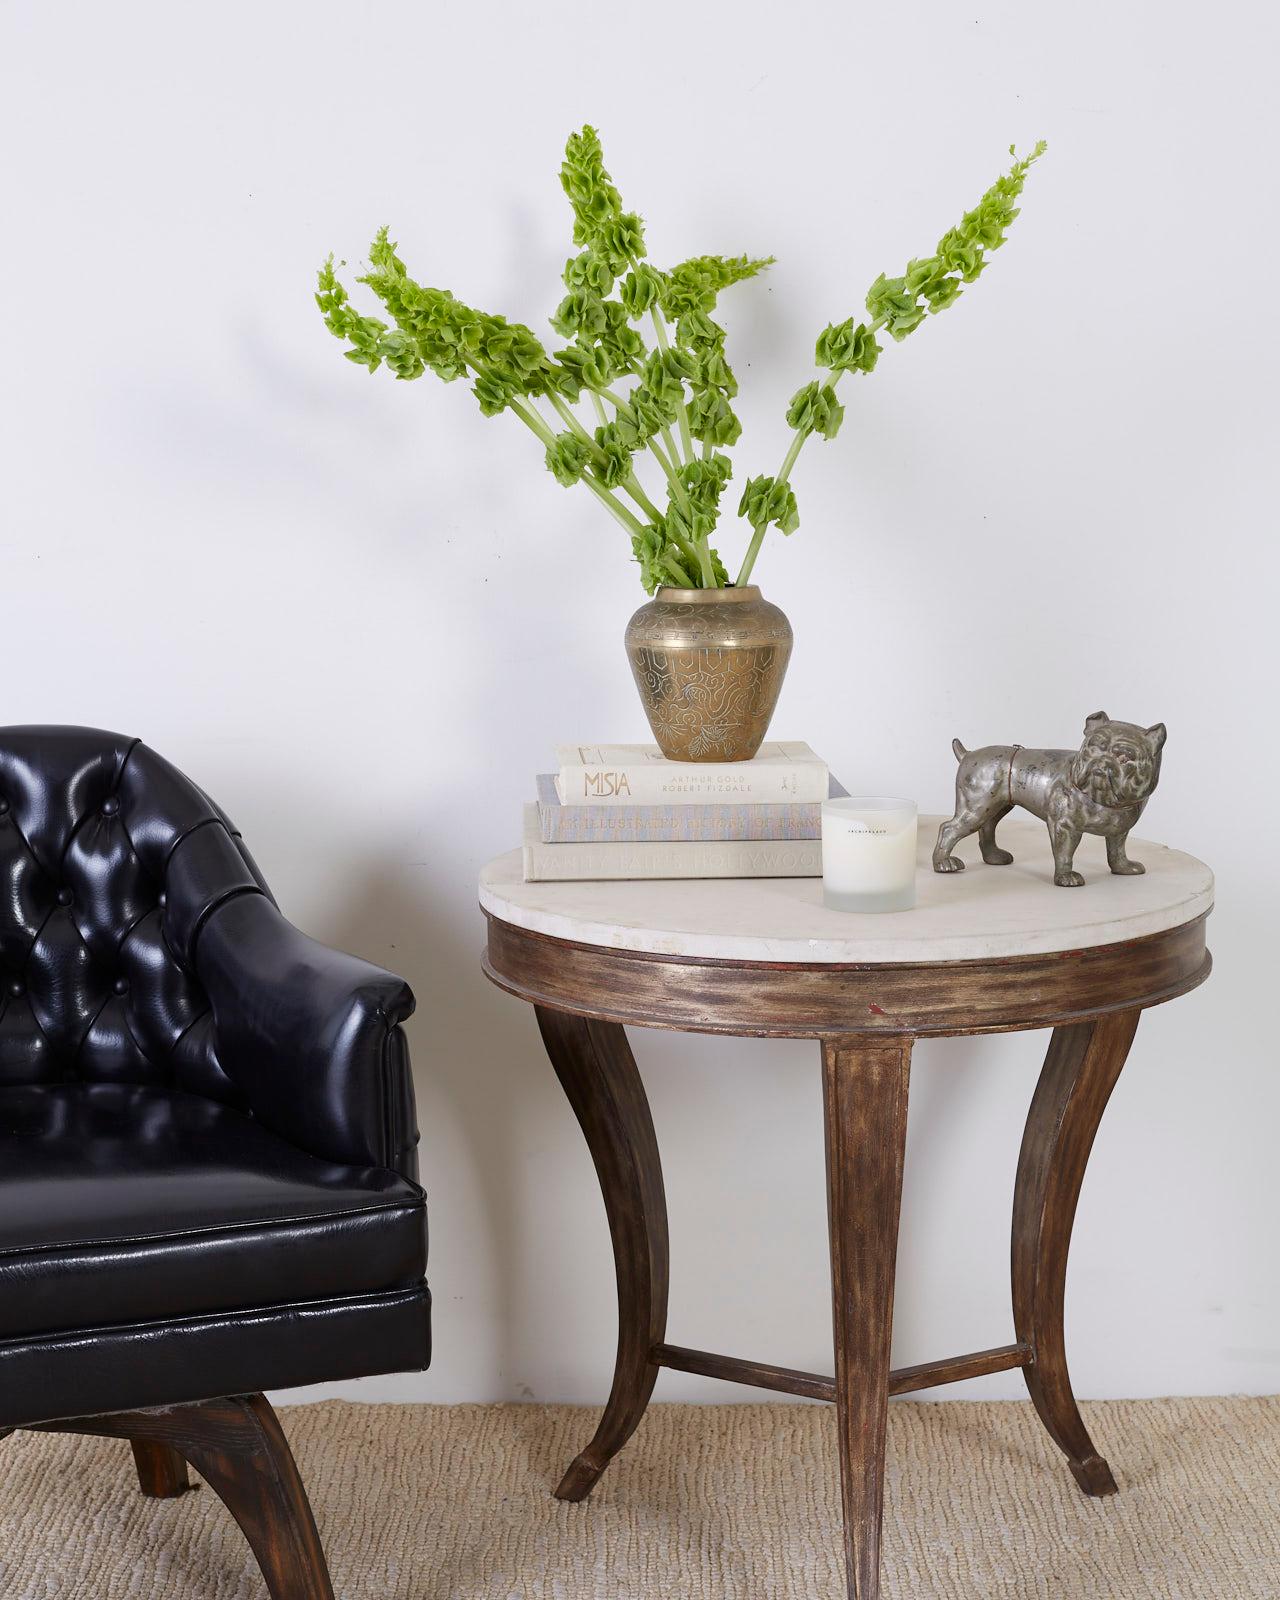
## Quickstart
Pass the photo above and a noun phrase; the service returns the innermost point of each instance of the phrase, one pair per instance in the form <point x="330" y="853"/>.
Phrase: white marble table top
<point x="978" y="914"/>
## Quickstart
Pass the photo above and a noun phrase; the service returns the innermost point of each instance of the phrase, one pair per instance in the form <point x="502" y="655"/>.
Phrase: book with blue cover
<point x="725" y="821"/>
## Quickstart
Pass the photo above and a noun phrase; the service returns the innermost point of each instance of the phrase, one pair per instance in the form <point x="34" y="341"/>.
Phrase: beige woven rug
<point x="708" y="1502"/>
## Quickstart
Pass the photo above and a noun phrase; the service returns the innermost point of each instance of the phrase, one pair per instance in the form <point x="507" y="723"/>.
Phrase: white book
<point x="685" y="858"/>
<point x="639" y="774"/>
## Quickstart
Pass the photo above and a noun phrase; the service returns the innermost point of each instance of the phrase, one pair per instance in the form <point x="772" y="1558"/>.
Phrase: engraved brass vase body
<point x="709" y="665"/>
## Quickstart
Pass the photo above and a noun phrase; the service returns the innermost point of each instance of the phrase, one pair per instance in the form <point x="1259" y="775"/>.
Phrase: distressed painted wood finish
<point x="813" y="1386"/>
<point x="867" y="1019"/>
<point x="864" y="1098"/>
<point x="597" y="1071"/>
<point x="238" y="1448"/>
<point x="825" y="1000"/>
<point x="1080" y="1070"/>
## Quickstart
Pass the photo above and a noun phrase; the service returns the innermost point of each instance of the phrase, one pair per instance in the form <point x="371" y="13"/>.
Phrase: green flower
<point x="664" y="375"/>
<point x="815" y="409"/>
<point x="609" y="287"/>
<point x="613" y="464"/>
<point x="589" y="188"/>
<point x="580" y="367"/>
<point x="698" y="331"/>
<point x="582" y="314"/>
<point x="929" y="281"/>
<point x="712" y="419"/>
<point x="714" y="372"/>
<point x="764" y="501"/>
<point x="640" y="289"/>
<point x="588" y="271"/>
<point x="695" y="284"/>
<point x="401" y="354"/>
<point x="494" y="396"/>
<point x="845" y="348"/>
<point x="621" y="240"/>
<point x="568" y="458"/>
<point x="660" y="560"/>
<point x="644" y="417"/>
<point x="889" y="301"/>
<point x="598" y="218"/>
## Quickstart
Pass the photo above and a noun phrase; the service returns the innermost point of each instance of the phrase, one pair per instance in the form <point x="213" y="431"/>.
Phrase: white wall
<point x="362" y="615"/>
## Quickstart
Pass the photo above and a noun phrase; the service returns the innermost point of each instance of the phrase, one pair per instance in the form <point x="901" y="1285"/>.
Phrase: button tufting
<point x="4" y="808"/>
<point x="17" y="987"/>
<point x="110" y="806"/>
<point x="64" y="897"/>
<point x="121" y="986"/>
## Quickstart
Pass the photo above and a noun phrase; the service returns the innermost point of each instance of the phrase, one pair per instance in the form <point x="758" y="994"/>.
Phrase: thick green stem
<point x="686" y="437"/>
<point x="668" y="470"/>
<point x="671" y="445"/>
<point x="529" y="416"/>
<point x="679" y="577"/>
<point x="632" y="484"/>
<point x="749" y="560"/>
<point x="633" y="525"/>
<point x="601" y="415"/>
<point x="789" y="460"/>
<point x="634" y="489"/>
<point x="784" y="472"/>
<point x="567" y="417"/>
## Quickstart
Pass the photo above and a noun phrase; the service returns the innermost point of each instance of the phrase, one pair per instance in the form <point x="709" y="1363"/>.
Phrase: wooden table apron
<point x="866" y="1017"/>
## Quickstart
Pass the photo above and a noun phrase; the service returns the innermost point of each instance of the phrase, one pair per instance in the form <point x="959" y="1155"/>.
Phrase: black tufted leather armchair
<point x="207" y="1139"/>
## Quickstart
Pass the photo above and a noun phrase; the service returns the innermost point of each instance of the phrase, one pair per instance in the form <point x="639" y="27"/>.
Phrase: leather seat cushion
<point x="123" y="1204"/>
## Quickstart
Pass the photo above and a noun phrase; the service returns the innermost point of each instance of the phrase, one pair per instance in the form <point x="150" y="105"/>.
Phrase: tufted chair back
<point x="110" y="862"/>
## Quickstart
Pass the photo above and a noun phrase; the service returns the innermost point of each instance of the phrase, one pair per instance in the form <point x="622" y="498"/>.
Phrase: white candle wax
<point x="869" y="853"/>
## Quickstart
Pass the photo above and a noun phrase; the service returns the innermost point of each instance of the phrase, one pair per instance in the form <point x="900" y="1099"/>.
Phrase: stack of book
<point x="625" y="811"/>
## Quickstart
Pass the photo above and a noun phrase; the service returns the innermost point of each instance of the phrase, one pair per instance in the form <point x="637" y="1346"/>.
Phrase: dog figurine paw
<point x="1100" y="788"/>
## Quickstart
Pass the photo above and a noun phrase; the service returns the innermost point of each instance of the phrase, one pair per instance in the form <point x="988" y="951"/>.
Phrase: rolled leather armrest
<point x="310" y="1036"/>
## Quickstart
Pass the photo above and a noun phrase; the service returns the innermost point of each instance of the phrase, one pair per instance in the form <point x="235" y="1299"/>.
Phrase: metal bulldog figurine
<point x="1100" y="788"/>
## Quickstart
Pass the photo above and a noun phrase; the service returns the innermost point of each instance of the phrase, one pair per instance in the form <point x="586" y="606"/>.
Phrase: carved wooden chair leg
<point x="162" y="1472"/>
<point x="865" y="1087"/>
<point x="599" y="1076"/>
<point x="237" y="1447"/>
<point x="1080" y="1070"/>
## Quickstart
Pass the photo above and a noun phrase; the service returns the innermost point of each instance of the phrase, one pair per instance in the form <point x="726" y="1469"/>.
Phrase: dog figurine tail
<point x="959" y="750"/>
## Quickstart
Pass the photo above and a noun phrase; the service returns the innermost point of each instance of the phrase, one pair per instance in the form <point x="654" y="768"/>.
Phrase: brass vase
<point x="709" y="665"/>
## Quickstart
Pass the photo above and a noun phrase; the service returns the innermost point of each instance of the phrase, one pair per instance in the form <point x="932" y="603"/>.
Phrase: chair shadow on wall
<point x="481" y="1080"/>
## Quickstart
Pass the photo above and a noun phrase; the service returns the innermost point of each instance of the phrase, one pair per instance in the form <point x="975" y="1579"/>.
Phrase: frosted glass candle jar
<point x="869" y="853"/>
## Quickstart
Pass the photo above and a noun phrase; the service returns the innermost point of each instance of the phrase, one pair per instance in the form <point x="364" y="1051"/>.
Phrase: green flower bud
<point x="888" y="298"/>
<point x="665" y="372"/>
<point x="711" y="418"/>
<point x="621" y="240"/>
<point x="568" y="458"/>
<point x="640" y="289"/>
<point x="581" y="313"/>
<point x="582" y="365"/>
<point x="697" y="331"/>
<point x="615" y="468"/>
<point x="815" y="409"/>
<point x="401" y="355"/>
<point x="492" y="393"/>
<point x="764" y="501"/>
<point x="845" y="348"/>
<point x="588" y="271"/>
<point x="695" y="284"/>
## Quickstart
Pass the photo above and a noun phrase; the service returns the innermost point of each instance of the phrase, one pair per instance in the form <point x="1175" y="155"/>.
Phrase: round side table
<point x="986" y="951"/>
